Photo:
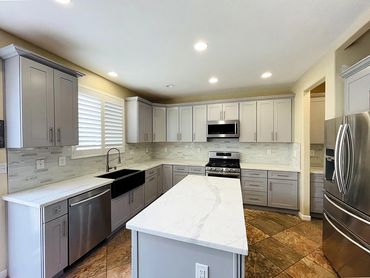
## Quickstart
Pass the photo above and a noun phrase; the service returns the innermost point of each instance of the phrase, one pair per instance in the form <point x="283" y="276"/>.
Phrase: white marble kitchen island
<point x="200" y="220"/>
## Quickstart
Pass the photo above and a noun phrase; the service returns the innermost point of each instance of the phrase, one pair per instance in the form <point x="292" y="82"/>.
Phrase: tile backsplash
<point x="22" y="172"/>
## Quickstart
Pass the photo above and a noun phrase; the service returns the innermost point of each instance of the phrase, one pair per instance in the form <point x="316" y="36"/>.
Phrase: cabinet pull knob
<point x="51" y="135"/>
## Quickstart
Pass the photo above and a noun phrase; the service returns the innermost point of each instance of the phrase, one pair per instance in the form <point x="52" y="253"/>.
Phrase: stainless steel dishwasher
<point x="89" y="221"/>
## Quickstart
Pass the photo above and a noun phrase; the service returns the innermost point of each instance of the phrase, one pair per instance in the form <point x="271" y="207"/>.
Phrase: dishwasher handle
<point x="89" y="199"/>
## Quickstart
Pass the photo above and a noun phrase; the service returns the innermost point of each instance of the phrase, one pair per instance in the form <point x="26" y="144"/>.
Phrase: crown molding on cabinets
<point x="359" y="66"/>
<point x="12" y="50"/>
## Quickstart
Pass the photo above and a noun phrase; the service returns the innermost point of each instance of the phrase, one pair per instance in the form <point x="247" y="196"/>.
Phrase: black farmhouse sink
<point x="124" y="180"/>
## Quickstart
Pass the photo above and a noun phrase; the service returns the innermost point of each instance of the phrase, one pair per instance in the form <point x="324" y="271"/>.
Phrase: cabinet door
<point x="167" y="177"/>
<point x="178" y="176"/>
<point x="151" y="189"/>
<point x="159" y="124"/>
<point x="66" y="109"/>
<point x="357" y="92"/>
<point x="186" y="123"/>
<point x="265" y="121"/>
<point x="282" y="194"/>
<point x="283" y="120"/>
<point x="120" y="210"/>
<point x="148" y="123"/>
<point x="137" y="200"/>
<point x="160" y="181"/>
<point x="37" y="104"/>
<point x="200" y="123"/>
<point x="248" y="121"/>
<point x="55" y="245"/>
<point x="142" y="118"/>
<point x="317" y="111"/>
<point x="172" y="124"/>
<point x="230" y="111"/>
<point x="214" y="112"/>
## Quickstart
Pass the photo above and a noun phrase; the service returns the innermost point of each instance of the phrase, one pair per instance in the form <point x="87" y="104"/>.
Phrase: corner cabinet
<point x="159" y="124"/>
<point x="139" y="120"/>
<point x="41" y="105"/>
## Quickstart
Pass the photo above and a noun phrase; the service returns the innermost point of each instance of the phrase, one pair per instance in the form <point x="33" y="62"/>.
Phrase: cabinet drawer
<point x="256" y="184"/>
<point x="180" y="168"/>
<point x="283" y="175"/>
<point x="55" y="210"/>
<point x="317" y="205"/>
<point x="197" y="170"/>
<point x="317" y="191"/>
<point x="254" y="197"/>
<point x="151" y="172"/>
<point x="317" y="178"/>
<point x="254" y="173"/>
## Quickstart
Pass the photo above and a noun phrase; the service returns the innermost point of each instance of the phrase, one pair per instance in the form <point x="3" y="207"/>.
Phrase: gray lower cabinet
<point x="160" y="181"/>
<point x="178" y="176"/>
<point x="167" y="177"/>
<point x="282" y="194"/>
<point x="197" y="170"/>
<point x="137" y="199"/>
<point x="56" y="245"/>
<point x="151" y="188"/>
<point x="120" y="210"/>
<point x="317" y="187"/>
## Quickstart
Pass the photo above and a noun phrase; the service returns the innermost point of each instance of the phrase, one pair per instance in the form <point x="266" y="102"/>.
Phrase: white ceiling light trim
<point x="112" y="74"/>
<point x="200" y="46"/>
<point x="65" y="2"/>
<point x="266" y="74"/>
<point x="213" y="80"/>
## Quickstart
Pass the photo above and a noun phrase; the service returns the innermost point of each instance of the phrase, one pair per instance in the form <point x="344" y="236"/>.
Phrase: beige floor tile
<point x="259" y="266"/>
<point x="306" y="268"/>
<point x="267" y="225"/>
<point x="255" y="235"/>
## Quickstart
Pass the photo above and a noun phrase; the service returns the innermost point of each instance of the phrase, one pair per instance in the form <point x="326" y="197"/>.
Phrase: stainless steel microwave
<point x="223" y="129"/>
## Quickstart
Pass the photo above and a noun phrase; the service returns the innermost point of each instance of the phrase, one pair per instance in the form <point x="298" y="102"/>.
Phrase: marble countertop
<point x="206" y="211"/>
<point x="271" y="167"/>
<point x="52" y="193"/>
<point x="317" y="170"/>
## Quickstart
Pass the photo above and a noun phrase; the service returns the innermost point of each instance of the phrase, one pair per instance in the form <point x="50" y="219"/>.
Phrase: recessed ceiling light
<point x="266" y="74"/>
<point x="63" y="1"/>
<point x="170" y="85"/>
<point x="213" y="80"/>
<point x="112" y="73"/>
<point x="200" y="46"/>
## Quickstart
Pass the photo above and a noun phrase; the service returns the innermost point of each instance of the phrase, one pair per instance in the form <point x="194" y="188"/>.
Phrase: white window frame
<point x="78" y="153"/>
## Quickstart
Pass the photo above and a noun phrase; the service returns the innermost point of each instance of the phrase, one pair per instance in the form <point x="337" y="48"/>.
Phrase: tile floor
<point x="280" y="245"/>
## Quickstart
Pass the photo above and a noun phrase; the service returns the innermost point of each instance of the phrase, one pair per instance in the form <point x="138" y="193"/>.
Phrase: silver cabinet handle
<point x="270" y="186"/>
<point x="255" y="137"/>
<point x="64" y="228"/>
<point x="224" y="115"/>
<point x="59" y="135"/>
<point x="194" y="136"/>
<point x="272" y="136"/>
<point x="276" y="136"/>
<point x="51" y="135"/>
<point x="153" y="136"/>
<point x="345" y="236"/>
<point x="89" y="199"/>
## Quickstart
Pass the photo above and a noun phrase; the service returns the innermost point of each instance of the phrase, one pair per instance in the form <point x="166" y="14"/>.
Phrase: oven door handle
<point x="227" y="174"/>
<point x="89" y="199"/>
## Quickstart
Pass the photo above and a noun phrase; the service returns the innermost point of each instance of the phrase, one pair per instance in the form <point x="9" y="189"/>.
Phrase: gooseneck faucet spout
<point x="119" y="159"/>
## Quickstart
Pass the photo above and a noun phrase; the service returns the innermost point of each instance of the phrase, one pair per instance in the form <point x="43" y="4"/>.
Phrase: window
<point x="100" y="123"/>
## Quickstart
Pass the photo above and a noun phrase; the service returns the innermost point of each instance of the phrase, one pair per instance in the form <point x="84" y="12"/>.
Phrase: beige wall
<point x="91" y="80"/>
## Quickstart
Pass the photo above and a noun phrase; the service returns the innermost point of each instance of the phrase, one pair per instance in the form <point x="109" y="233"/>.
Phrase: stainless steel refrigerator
<point x="346" y="225"/>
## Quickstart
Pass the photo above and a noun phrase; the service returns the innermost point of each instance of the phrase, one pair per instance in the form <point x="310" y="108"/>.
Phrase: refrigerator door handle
<point x="345" y="236"/>
<point x="336" y="159"/>
<point x="346" y="211"/>
<point x="350" y="156"/>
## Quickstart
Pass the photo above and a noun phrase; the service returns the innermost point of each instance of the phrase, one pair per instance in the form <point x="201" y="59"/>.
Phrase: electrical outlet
<point x="268" y="151"/>
<point x="62" y="161"/>
<point x="201" y="271"/>
<point x="40" y="164"/>
<point x="2" y="168"/>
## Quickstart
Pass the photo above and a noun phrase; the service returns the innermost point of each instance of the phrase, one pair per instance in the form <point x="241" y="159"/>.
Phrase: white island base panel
<point x="159" y="257"/>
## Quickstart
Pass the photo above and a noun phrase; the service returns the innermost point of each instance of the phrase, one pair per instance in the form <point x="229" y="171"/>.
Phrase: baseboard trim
<point x="3" y="273"/>
<point x="304" y="217"/>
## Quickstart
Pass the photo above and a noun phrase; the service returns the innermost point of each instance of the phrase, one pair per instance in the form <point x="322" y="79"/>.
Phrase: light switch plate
<point x="62" y="161"/>
<point x="201" y="271"/>
<point x="40" y="164"/>
<point x="3" y="168"/>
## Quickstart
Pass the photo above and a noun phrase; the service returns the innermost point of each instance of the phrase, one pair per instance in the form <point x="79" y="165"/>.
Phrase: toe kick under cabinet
<point x="277" y="189"/>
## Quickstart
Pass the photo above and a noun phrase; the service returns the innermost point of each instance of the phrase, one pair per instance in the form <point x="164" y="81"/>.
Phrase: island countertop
<point x="206" y="211"/>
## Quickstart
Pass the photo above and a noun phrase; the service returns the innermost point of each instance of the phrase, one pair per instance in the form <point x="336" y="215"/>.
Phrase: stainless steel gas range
<point x="223" y="164"/>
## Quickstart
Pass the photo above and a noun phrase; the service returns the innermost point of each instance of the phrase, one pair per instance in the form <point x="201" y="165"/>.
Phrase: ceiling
<point x="150" y="43"/>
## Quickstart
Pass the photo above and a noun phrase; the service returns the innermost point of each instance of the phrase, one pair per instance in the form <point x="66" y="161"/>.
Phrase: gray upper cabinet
<point x="159" y="124"/>
<point x="317" y="118"/>
<point x="274" y="120"/>
<point x="248" y="121"/>
<point x="223" y="111"/>
<point x="357" y="87"/>
<point x="199" y="123"/>
<point x="56" y="246"/>
<point x="139" y="120"/>
<point x="66" y="109"/>
<point x="172" y="124"/>
<point x="179" y="124"/>
<point x="41" y="105"/>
